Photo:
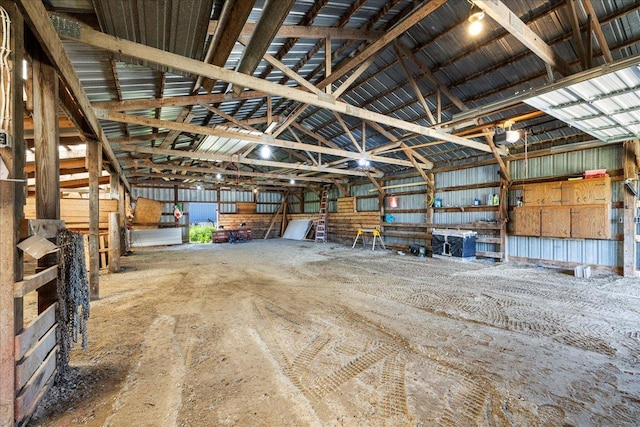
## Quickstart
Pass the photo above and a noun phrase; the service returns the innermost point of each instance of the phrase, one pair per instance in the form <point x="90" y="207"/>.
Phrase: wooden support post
<point x="94" y="160"/>
<point x="11" y="213"/>
<point x="47" y="160"/>
<point x="431" y="192"/>
<point x="285" y="196"/>
<point x="630" y="246"/>
<point x="503" y="213"/>
<point x="114" y="242"/>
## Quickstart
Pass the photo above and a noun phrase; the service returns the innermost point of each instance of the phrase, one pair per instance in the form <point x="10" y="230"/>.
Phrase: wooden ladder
<point x="321" y="226"/>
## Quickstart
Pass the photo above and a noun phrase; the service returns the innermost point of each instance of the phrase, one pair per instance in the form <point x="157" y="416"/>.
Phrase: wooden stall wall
<point x="343" y="224"/>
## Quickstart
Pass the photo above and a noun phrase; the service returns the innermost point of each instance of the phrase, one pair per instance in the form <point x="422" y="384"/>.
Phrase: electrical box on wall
<point x="4" y="139"/>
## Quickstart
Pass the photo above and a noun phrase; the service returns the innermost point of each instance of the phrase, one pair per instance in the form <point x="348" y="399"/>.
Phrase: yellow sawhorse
<point x="376" y="235"/>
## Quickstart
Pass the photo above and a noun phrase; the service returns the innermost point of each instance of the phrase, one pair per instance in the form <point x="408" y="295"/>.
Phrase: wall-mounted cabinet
<point x="576" y="209"/>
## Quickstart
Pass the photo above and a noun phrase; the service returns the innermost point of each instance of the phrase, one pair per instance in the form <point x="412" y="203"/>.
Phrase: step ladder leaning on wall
<point x="321" y="225"/>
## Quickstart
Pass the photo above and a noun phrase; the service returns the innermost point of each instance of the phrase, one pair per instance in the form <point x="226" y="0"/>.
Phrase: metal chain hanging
<point x="73" y="296"/>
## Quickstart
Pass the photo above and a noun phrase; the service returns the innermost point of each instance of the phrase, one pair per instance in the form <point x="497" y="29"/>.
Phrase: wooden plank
<point x="489" y="254"/>
<point x="245" y="207"/>
<point x="32" y="333"/>
<point x="103" y="252"/>
<point x="36" y="387"/>
<point x="32" y="283"/>
<point x="29" y="364"/>
<point x="47" y="228"/>
<point x="491" y="240"/>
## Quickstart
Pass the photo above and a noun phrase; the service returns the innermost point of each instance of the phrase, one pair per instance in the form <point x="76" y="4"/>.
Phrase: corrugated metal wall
<point x="586" y="251"/>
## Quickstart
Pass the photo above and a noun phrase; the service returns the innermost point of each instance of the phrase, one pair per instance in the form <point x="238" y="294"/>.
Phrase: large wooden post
<point x="630" y="163"/>
<point x="11" y="213"/>
<point x="94" y="165"/>
<point x="114" y="242"/>
<point x="47" y="159"/>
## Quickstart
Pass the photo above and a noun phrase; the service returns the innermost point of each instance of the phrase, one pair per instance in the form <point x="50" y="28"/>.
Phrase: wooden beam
<point x="630" y="246"/>
<point x="597" y="30"/>
<point x="426" y="164"/>
<point x="500" y="13"/>
<point x="309" y="32"/>
<point x="376" y="184"/>
<point x="94" y="38"/>
<point x="176" y="101"/>
<point x="434" y="79"/>
<point x="396" y="31"/>
<point x="47" y="160"/>
<point x="572" y="5"/>
<point x="41" y="26"/>
<point x="228" y="133"/>
<point x="347" y="131"/>
<point x="241" y="160"/>
<point x="286" y="70"/>
<point x="270" y="21"/>
<point x="232" y="18"/>
<point x="94" y="166"/>
<point x="415" y="87"/>
<point x="11" y="213"/>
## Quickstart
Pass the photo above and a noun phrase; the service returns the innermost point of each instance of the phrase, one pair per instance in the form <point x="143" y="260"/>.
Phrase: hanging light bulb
<point x="265" y="152"/>
<point x="292" y="181"/>
<point x="363" y="163"/>
<point x="475" y="20"/>
<point x="218" y="176"/>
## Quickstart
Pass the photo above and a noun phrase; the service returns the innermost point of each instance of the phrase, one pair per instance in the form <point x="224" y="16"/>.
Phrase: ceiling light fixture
<point x="363" y="163"/>
<point x="218" y="176"/>
<point x="475" y="20"/>
<point x="265" y="152"/>
<point x="292" y="181"/>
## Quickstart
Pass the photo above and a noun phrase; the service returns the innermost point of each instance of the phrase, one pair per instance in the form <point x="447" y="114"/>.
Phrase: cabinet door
<point x="545" y="194"/>
<point x="586" y="191"/>
<point x="590" y="222"/>
<point x="555" y="221"/>
<point x="526" y="221"/>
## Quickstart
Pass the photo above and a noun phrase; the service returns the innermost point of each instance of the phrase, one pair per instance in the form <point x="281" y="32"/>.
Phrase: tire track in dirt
<point x="394" y="399"/>
<point x="489" y="310"/>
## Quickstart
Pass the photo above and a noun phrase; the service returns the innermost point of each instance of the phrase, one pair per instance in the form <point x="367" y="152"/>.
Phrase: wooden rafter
<point x="418" y="15"/>
<point x="300" y="31"/>
<point x="597" y="30"/>
<point x="136" y="50"/>
<point x="414" y="86"/>
<point x="500" y="13"/>
<point x="270" y="21"/>
<point x="232" y="134"/>
<point x="241" y="160"/>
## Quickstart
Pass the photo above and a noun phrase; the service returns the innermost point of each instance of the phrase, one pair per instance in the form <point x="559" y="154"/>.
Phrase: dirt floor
<point x="275" y="333"/>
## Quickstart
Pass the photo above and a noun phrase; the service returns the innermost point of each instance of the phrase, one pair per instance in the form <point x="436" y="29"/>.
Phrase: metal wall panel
<point x="467" y="176"/>
<point x="583" y="251"/>
<point x="608" y="157"/>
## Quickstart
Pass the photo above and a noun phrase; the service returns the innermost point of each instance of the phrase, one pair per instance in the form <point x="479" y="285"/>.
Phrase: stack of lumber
<point x="75" y="212"/>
